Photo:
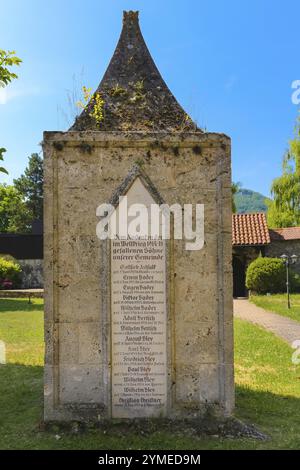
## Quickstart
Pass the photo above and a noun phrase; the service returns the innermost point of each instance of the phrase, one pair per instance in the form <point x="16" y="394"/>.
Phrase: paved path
<point x="285" y="328"/>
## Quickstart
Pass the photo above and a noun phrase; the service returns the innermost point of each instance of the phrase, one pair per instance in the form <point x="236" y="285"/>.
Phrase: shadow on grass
<point x="21" y="404"/>
<point x="20" y="305"/>
<point x="268" y="410"/>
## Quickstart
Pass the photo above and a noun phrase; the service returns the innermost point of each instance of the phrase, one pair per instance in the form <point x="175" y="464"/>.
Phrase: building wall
<point x="32" y="273"/>
<point x="82" y="170"/>
<point x="22" y="246"/>
<point x="248" y="253"/>
<point x="242" y="257"/>
<point x="289" y="247"/>
<point x="27" y="249"/>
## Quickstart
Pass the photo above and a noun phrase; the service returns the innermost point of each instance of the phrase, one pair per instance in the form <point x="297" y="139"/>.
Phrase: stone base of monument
<point x="207" y="427"/>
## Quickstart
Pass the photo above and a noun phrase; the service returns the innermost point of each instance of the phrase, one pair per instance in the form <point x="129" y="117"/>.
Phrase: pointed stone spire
<point x="135" y="96"/>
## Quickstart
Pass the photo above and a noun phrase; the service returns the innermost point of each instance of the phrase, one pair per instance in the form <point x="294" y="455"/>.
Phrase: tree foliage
<point x="247" y="201"/>
<point x="15" y="217"/>
<point x="9" y="273"/>
<point x="2" y="151"/>
<point x="30" y="186"/>
<point x="8" y="59"/>
<point x="284" y="210"/>
<point x="235" y="188"/>
<point x="22" y="203"/>
<point x="266" y="275"/>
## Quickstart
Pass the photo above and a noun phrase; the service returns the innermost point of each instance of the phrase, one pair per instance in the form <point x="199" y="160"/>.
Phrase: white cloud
<point x="3" y="97"/>
<point x="9" y="93"/>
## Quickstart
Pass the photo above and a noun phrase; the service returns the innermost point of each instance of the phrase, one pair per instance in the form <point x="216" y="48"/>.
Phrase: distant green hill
<point x="247" y="201"/>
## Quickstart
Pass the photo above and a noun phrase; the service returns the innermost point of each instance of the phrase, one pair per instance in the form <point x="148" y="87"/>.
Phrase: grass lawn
<point x="267" y="393"/>
<point x="278" y="303"/>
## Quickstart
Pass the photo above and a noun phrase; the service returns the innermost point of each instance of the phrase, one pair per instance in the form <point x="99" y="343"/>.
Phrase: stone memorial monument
<point x="136" y="327"/>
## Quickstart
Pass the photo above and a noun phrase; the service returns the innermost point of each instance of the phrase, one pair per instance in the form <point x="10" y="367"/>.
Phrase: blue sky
<point x="230" y="64"/>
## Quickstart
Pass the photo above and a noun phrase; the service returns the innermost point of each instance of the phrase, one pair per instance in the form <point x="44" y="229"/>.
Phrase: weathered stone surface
<point x="200" y="285"/>
<point x="135" y="95"/>
<point x="288" y="247"/>
<point x="178" y="164"/>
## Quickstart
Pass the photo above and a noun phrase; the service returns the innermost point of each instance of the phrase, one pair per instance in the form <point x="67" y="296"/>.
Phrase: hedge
<point x="9" y="273"/>
<point x="268" y="275"/>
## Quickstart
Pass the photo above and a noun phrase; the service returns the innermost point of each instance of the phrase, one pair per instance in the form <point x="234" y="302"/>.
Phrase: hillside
<point x="247" y="201"/>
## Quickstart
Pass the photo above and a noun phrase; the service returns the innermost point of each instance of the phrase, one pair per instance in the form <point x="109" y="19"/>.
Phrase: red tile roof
<point x="282" y="234"/>
<point x="250" y="229"/>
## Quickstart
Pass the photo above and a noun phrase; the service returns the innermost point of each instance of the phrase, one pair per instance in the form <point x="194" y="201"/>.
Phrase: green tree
<point x="30" y="186"/>
<point x="2" y="169"/>
<point x="284" y="210"/>
<point x="266" y="275"/>
<point x="248" y="201"/>
<point x="15" y="216"/>
<point x="235" y="188"/>
<point x="8" y="59"/>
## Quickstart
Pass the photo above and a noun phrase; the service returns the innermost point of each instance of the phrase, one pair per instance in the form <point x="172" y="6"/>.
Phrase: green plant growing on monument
<point x="93" y="103"/>
<point x="139" y="91"/>
<point x="97" y="112"/>
<point x="185" y="123"/>
<point x="139" y="86"/>
<point x="87" y="92"/>
<point x="117" y="90"/>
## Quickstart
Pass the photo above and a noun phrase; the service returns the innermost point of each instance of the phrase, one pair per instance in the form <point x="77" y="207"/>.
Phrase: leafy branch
<point x="2" y="170"/>
<point x="8" y="59"/>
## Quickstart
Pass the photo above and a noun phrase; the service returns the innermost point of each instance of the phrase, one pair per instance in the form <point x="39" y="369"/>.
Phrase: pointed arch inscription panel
<point x="138" y="321"/>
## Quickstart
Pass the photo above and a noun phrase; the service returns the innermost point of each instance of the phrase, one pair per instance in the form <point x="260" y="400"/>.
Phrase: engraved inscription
<point x="138" y="309"/>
